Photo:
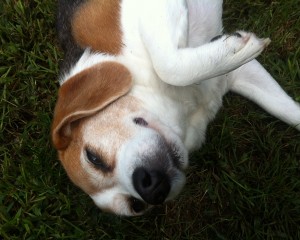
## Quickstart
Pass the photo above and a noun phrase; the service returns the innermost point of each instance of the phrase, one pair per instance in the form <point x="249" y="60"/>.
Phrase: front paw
<point x="249" y="45"/>
<point x="239" y="47"/>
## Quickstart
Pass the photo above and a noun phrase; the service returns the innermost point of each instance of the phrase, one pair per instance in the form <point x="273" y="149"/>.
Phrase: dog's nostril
<point x="140" y="121"/>
<point x="146" y="180"/>
<point x="152" y="185"/>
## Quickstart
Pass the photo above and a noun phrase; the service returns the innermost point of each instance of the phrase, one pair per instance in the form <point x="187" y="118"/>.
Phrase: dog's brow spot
<point x="140" y="121"/>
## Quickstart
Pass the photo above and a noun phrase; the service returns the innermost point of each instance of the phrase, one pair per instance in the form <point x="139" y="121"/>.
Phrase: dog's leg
<point x="254" y="82"/>
<point x="205" y="21"/>
<point x="164" y="28"/>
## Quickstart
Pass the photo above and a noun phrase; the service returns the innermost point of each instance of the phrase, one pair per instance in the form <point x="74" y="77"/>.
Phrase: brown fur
<point x="96" y="24"/>
<point x="85" y="94"/>
<point x="70" y="159"/>
<point x="88" y="178"/>
<point x="71" y="162"/>
<point x="111" y="126"/>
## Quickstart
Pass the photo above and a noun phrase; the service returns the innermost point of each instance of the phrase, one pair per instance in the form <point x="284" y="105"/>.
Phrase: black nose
<point x="152" y="185"/>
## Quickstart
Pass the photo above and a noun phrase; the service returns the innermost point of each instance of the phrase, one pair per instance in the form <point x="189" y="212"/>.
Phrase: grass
<point x="243" y="184"/>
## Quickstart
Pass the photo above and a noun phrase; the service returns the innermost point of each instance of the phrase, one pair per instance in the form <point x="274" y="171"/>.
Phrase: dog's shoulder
<point x="72" y="51"/>
<point x="87" y="25"/>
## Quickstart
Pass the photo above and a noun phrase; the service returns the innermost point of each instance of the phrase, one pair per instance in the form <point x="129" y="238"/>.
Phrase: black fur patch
<point x="72" y="52"/>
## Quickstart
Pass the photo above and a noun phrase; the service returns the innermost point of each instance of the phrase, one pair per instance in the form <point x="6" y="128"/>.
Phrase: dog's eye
<point x="97" y="161"/>
<point x="140" y="121"/>
<point x="137" y="205"/>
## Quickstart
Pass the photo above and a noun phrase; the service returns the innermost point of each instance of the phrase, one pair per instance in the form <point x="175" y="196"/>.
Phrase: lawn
<point x="243" y="184"/>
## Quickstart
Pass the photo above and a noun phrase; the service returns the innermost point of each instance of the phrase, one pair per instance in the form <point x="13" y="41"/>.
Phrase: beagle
<point x="140" y="81"/>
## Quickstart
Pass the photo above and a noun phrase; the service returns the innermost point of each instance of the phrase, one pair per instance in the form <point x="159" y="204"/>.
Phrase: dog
<point x="140" y="81"/>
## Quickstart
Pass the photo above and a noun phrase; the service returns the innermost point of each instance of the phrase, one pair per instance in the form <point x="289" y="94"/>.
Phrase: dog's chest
<point x="186" y="110"/>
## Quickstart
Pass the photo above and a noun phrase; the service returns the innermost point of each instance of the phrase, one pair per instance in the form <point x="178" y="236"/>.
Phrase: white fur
<point x="180" y="78"/>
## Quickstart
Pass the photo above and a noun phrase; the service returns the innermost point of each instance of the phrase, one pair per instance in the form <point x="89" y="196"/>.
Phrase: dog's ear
<point x="85" y="94"/>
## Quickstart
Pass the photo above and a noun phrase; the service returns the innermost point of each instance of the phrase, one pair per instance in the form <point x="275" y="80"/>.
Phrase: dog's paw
<point x="247" y="45"/>
<point x="239" y="47"/>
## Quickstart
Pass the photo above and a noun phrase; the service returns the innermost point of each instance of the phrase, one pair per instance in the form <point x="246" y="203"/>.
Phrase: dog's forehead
<point x="107" y="130"/>
<point x="105" y="125"/>
<point x="114" y="123"/>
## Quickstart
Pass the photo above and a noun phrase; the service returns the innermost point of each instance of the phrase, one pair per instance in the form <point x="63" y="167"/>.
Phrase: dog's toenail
<point x="215" y="38"/>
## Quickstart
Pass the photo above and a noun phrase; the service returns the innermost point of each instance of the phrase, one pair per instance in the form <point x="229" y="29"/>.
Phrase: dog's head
<point x="118" y="153"/>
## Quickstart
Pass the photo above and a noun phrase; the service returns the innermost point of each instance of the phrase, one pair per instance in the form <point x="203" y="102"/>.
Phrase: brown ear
<point x="85" y="94"/>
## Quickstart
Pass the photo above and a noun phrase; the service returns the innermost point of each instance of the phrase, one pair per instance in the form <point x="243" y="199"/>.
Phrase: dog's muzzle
<point x="154" y="177"/>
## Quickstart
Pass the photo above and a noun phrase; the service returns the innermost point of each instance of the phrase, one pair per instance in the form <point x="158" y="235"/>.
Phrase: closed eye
<point x="97" y="161"/>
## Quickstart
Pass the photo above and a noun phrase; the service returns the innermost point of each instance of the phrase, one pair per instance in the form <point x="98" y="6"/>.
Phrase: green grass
<point x="243" y="184"/>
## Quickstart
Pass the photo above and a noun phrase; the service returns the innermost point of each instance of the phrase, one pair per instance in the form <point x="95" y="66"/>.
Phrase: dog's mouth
<point x="176" y="157"/>
<point x="137" y="206"/>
